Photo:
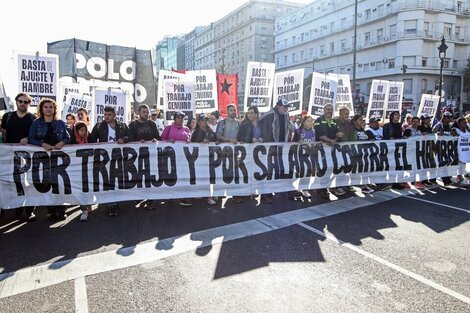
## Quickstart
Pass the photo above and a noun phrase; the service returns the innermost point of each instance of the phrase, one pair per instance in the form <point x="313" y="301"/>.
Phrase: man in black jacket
<point x="111" y="130"/>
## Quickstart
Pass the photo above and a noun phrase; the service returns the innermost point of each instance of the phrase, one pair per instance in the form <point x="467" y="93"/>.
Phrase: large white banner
<point x="343" y="93"/>
<point x="259" y="85"/>
<point x="377" y="99"/>
<point x="110" y="97"/>
<point x="109" y="172"/>
<point x="37" y="74"/>
<point x="289" y="85"/>
<point x="178" y="95"/>
<point x="428" y="105"/>
<point x="162" y="76"/>
<point x="323" y="91"/>
<point x="394" y="99"/>
<point x="205" y="90"/>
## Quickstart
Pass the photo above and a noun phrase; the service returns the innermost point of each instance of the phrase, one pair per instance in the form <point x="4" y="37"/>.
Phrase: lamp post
<point x="442" y="55"/>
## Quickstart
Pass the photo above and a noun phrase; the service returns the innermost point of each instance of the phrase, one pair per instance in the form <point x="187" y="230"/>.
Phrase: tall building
<point x="167" y="53"/>
<point x="243" y="35"/>
<point x="396" y="40"/>
<point x="189" y="43"/>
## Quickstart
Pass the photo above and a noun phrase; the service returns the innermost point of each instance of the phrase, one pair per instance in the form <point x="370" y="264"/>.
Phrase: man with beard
<point x="326" y="131"/>
<point x="144" y="130"/>
<point x="16" y="127"/>
<point x="110" y="130"/>
<point x="227" y="129"/>
<point x="275" y="126"/>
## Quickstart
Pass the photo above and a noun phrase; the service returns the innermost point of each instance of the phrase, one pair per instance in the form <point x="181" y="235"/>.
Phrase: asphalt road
<point x="390" y="251"/>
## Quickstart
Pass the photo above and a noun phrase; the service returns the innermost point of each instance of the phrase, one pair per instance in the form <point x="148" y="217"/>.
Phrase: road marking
<point x="81" y="299"/>
<point x="391" y="265"/>
<point x="438" y="204"/>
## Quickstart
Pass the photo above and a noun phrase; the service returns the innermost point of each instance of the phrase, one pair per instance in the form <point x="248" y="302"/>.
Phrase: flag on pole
<point x="227" y="90"/>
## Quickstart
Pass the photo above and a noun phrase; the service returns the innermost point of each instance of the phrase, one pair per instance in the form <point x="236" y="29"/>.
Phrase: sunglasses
<point x="23" y="101"/>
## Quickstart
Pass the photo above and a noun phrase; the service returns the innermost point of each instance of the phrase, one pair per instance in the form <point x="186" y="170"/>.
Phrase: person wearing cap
<point x="444" y="127"/>
<point x="425" y="127"/>
<point x="178" y="132"/>
<point x="375" y="132"/>
<point x="227" y="129"/>
<point x="326" y="131"/>
<point x="203" y="134"/>
<point x="275" y="127"/>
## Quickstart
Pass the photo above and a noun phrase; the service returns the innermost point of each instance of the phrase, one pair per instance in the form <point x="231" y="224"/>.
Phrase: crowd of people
<point x="47" y="130"/>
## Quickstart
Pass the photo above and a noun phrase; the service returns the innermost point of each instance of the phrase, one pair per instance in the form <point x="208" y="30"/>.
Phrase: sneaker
<point x="294" y="194"/>
<point x="306" y="194"/>
<point x="211" y="201"/>
<point x="427" y="183"/>
<point x="367" y="190"/>
<point x="84" y="216"/>
<point x="324" y="194"/>
<point x="185" y="202"/>
<point x="419" y="185"/>
<point x="113" y="210"/>
<point x="338" y="191"/>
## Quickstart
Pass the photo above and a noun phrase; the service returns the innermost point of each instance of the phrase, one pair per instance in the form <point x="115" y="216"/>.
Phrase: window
<point x="285" y="59"/>
<point x="424" y="62"/>
<point x="322" y="50"/>
<point x="332" y="47"/>
<point x="391" y="63"/>
<point x="457" y="32"/>
<point x="366" y="67"/>
<point x="302" y="55"/>
<point x="408" y="86"/>
<point x="293" y="40"/>
<point x="409" y="60"/>
<point x="455" y="64"/>
<point x="393" y="30"/>
<point x="411" y="26"/>
<point x="332" y="26"/>
<point x="368" y="14"/>
<point x="446" y="63"/>
<point x="447" y="29"/>
<point x="293" y="57"/>
<point x="424" y="85"/>
<point x="343" y="45"/>
<point x="343" y="22"/>
<point x="380" y="34"/>
<point x="366" y="38"/>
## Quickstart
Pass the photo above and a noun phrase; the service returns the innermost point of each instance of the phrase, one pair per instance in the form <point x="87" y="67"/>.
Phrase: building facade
<point x="243" y="35"/>
<point x="396" y="40"/>
<point x="166" y="53"/>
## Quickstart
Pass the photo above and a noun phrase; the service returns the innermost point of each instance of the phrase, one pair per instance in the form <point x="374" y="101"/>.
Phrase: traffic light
<point x="403" y="68"/>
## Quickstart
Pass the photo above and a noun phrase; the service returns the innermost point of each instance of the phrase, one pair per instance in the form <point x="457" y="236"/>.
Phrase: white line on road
<point x="391" y="265"/>
<point x="81" y="299"/>
<point x="439" y="204"/>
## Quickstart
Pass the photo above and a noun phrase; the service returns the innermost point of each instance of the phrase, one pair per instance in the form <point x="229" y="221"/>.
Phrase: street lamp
<point x="442" y="55"/>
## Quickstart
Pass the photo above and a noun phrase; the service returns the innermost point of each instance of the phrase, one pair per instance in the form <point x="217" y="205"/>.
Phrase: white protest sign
<point x="162" y="76"/>
<point x="205" y="90"/>
<point x="110" y="97"/>
<point x="178" y="95"/>
<point x="463" y="147"/>
<point x="343" y="93"/>
<point x="289" y="86"/>
<point x="395" y="96"/>
<point x="75" y="101"/>
<point x="377" y="99"/>
<point x="37" y="74"/>
<point x="428" y="105"/>
<point x="323" y="91"/>
<point x="259" y="85"/>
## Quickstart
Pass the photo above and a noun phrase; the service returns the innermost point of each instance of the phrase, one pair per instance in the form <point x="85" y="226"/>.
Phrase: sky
<point x="28" y="25"/>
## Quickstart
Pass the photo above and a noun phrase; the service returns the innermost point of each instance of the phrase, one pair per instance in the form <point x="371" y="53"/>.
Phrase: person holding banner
<point x="15" y="126"/>
<point x="305" y="134"/>
<point x="375" y="132"/>
<point x="203" y="134"/>
<point x="458" y="129"/>
<point x="412" y="131"/>
<point x="443" y="128"/>
<point x="178" y="132"/>
<point x="275" y="127"/>
<point x="344" y="122"/>
<point x="49" y="132"/>
<point x="327" y="132"/>
<point x="227" y="129"/>
<point x="143" y="129"/>
<point x="425" y="127"/>
<point x="110" y="130"/>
